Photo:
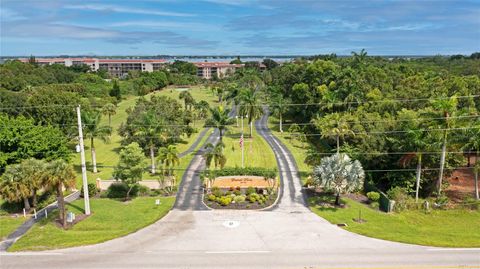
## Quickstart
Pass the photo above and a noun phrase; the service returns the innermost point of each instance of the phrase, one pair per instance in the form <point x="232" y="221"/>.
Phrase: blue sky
<point x="237" y="27"/>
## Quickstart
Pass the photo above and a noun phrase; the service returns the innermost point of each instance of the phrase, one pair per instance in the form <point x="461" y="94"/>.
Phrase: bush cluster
<point x="373" y="196"/>
<point x="237" y="171"/>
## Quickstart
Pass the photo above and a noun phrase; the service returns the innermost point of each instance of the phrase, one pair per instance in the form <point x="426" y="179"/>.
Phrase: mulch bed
<point x="78" y="218"/>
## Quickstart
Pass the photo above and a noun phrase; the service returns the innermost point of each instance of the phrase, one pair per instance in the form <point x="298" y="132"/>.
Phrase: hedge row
<point x="237" y="171"/>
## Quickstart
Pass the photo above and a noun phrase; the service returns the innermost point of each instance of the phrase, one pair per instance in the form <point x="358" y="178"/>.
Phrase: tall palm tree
<point x="188" y="99"/>
<point x="92" y="130"/>
<point x="14" y="187"/>
<point x="152" y="130"/>
<point x="279" y="107"/>
<point x="109" y="109"/>
<point x="250" y="105"/>
<point x="215" y="153"/>
<point x="333" y="126"/>
<point x="447" y="108"/>
<point x="473" y="143"/>
<point x="60" y="174"/>
<point x="219" y="119"/>
<point x="168" y="158"/>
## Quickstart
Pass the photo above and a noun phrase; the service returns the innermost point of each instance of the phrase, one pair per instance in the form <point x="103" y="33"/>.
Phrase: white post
<point x="46" y="213"/>
<point x="243" y="145"/>
<point x="84" y="167"/>
<point x="35" y="213"/>
<point x="24" y="213"/>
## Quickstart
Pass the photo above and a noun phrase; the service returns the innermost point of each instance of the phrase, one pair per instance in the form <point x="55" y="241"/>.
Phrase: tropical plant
<point x="188" y="99"/>
<point x="334" y="126"/>
<point x="168" y="158"/>
<point x="130" y="166"/>
<point x="473" y="143"/>
<point x="59" y="174"/>
<point x="109" y="109"/>
<point x="219" y="119"/>
<point x="14" y="186"/>
<point x="279" y="108"/>
<point x="92" y="130"/>
<point x="250" y="106"/>
<point x="151" y="130"/>
<point x="33" y="171"/>
<point x="215" y="153"/>
<point x="340" y="174"/>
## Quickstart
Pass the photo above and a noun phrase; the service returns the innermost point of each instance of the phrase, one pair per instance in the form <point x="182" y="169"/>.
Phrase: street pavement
<point x="288" y="235"/>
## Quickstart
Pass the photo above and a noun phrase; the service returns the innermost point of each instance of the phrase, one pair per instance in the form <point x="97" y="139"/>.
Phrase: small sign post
<point x="157" y="202"/>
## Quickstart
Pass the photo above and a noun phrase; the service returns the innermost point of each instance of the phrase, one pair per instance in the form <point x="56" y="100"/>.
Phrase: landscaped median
<point x="110" y="219"/>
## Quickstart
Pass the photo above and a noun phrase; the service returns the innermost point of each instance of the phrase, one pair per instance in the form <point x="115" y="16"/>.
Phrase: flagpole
<point x="242" y="145"/>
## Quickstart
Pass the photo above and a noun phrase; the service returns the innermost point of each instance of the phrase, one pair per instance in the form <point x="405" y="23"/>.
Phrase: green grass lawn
<point x="257" y="151"/>
<point x="107" y="153"/>
<point x="109" y="219"/>
<point x="442" y="228"/>
<point x="8" y="224"/>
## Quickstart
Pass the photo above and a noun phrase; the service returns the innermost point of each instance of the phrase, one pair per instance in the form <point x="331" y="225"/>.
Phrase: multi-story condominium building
<point x="209" y="70"/>
<point x="115" y="67"/>
<point x="120" y="67"/>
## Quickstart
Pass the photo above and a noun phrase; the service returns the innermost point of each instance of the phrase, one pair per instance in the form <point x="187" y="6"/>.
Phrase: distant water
<point x="229" y="59"/>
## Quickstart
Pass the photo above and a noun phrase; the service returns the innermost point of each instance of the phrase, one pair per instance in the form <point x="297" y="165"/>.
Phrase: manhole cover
<point x="231" y="224"/>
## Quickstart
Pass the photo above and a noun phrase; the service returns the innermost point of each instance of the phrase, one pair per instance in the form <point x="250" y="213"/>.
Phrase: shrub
<point x="217" y="192"/>
<point x="373" y="196"/>
<point x="211" y="197"/>
<point x="143" y="190"/>
<point x="238" y="171"/>
<point x="119" y="190"/>
<point x="249" y="190"/>
<point x="471" y="204"/>
<point x="237" y="192"/>
<point x="239" y="199"/>
<point x="441" y="202"/>
<point x="400" y="196"/>
<point x="374" y="205"/>
<point x="92" y="190"/>
<point x="252" y="199"/>
<point x="225" y="200"/>
<point x="228" y="193"/>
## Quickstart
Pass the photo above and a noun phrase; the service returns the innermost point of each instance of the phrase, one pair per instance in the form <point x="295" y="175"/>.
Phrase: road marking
<point x="237" y="252"/>
<point x="453" y="249"/>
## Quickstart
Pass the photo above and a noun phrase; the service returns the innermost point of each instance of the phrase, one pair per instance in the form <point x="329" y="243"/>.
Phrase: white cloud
<point x="120" y="9"/>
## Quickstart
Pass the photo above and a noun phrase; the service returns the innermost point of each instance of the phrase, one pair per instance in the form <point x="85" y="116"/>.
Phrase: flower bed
<point x="237" y="198"/>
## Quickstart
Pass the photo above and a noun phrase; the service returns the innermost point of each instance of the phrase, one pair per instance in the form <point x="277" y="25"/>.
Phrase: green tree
<point x="473" y="143"/>
<point x="151" y="130"/>
<point x="215" y="153"/>
<point x="250" y="106"/>
<point x="219" y="119"/>
<point x="168" y="158"/>
<point x="130" y="166"/>
<point x="33" y="171"/>
<point x="93" y="130"/>
<point x="279" y="108"/>
<point x="334" y="126"/>
<point x="339" y="174"/>
<point x="188" y="99"/>
<point x="109" y="109"/>
<point x="59" y="174"/>
<point x="115" y="91"/>
<point x="15" y="186"/>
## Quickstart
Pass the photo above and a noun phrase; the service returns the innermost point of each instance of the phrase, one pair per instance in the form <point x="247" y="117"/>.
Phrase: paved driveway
<point x="287" y="236"/>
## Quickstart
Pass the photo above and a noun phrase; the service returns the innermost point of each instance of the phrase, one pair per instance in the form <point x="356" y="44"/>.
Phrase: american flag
<point x="241" y="141"/>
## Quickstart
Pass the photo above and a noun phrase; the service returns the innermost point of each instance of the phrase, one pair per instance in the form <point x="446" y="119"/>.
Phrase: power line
<point x="291" y="104"/>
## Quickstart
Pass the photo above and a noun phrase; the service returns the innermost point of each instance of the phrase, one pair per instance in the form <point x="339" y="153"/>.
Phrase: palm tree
<point x="188" y="99"/>
<point x="339" y="174"/>
<point x="109" y="109"/>
<point x="33" y="171"/>
<point x="219" y="119"/>
<point x="215" y="153"/>
<point x="14" y="186"/>
<point x="250" y="105"/>
<point x="60" y="174"/>
<point x="168" y="158"/>
<point x="447" y="108"/>
<point x="279" y="107"/>
<point x="92" y="130"/>
<point x="333" y="126"/>
<point x="152" y="130"/>
<point x="473" y="143"/>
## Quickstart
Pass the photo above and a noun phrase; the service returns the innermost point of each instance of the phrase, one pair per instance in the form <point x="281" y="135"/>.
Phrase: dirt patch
<point x="78" y="218"/>
<point x="461" y="185"/>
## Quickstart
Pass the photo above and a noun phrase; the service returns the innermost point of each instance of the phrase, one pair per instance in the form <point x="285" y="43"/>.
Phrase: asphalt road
<point x="287" y="236"/>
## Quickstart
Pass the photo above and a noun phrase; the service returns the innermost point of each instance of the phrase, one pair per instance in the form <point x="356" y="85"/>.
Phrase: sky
<point x="238" y="27"/>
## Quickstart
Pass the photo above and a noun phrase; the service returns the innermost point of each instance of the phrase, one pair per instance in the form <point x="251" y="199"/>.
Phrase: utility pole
<point x="84" y="167"/>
